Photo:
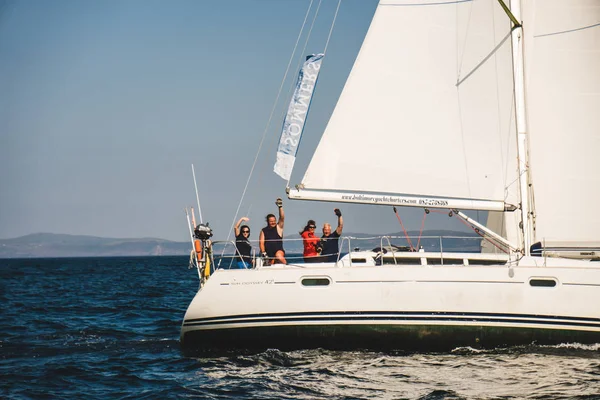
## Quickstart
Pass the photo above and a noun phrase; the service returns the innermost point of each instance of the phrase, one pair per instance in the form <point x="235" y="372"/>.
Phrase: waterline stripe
<point x="397" y="316"/>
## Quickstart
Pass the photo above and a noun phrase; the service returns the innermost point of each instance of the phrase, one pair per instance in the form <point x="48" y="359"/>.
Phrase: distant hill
<point x="40" y="245"/>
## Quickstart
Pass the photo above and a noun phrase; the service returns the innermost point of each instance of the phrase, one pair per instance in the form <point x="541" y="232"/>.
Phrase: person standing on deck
<point x="312" y="244"/>
<point x="242" y="244"/>
<point x="330" y="240"/>
<point x="271" y="237"/>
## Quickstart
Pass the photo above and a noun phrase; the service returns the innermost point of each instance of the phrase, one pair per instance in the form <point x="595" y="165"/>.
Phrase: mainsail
<point x="427" y="111"/>
<point x="562" y="71"/>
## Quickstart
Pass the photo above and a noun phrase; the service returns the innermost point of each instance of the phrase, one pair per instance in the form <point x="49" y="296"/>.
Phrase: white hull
<point x="396" y="307"/>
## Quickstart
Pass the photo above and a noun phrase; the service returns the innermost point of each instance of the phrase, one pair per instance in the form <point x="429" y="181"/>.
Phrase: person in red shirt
<point x="312" y="248"/>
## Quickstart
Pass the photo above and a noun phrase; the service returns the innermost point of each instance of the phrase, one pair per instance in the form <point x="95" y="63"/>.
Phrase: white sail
<point x="405" y="125"/>
<point x="562" y="71"/>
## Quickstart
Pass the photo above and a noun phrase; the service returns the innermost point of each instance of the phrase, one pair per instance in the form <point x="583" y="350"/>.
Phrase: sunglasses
<point x="312" y="226"/>
<point x="245" y="231"/>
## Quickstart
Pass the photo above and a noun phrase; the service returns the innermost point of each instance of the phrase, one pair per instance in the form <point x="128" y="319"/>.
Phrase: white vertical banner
<point x="295" y="118"/>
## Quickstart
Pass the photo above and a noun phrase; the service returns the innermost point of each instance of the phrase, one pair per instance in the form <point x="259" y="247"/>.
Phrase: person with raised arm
<point x="271" y="237"/>
<point x="242" y="244"/>
<point x="330" y="240"/>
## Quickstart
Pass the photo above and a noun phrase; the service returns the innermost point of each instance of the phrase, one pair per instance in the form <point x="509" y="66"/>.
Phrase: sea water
<point x="109" y="328"/>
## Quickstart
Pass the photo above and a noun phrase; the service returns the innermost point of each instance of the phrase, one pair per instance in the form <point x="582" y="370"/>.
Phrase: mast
<point x="522" y="138"/>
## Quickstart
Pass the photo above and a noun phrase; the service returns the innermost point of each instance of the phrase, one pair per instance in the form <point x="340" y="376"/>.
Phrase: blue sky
<point x="104" y="106"/>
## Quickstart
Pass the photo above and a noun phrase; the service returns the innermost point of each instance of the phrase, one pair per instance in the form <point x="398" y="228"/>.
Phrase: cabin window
<point x="401" y="261"/>
<point x="316" y="281"/>
<point x="542" y="282"/>
<point x="453" y="261"/>
<point x="445" y="261"/>
<point x="486" y="262"/>
<point x="359" y="260"/>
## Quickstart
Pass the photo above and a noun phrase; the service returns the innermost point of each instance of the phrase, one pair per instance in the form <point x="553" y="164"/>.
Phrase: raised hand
<point x="337" y="212"/>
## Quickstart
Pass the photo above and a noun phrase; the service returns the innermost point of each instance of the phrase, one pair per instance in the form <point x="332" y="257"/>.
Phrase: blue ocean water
<point x="109" y="328"/>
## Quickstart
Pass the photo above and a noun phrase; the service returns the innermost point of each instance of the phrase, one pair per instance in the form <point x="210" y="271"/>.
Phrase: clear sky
<point x="104" y="106"/>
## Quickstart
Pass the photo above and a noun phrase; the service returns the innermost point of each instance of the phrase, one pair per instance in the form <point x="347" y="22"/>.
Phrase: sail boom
<point x="397" y="200"/>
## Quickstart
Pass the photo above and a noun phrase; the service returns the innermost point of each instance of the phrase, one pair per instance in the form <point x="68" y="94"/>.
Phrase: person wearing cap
<point x="330" y="240"/>
<point x="242" y="244"/>
<point x="312" y="247"/>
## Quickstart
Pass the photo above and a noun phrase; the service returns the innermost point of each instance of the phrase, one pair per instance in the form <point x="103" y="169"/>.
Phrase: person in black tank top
<point x="242" y="244"/>
<point x="271" y="238"/>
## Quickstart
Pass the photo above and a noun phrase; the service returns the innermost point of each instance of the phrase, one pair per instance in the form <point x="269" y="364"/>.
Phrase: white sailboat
<point x="467" y="105"/>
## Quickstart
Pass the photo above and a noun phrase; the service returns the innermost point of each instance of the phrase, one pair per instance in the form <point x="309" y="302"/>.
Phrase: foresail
<point x="562" y="71"/>
<point x="426" y="112"/>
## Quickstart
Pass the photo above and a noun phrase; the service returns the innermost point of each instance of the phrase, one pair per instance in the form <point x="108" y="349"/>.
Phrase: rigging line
<point x="270" y="119"/>
<point x="567" y="31"/>
<point x="421" y="231"/>
<point x="312" y="25"/>
<point x="485" y="59"/>
<point x="532" y="209"/>
<point x="462" y="141"/>
<point x="332" y="25"/>
<point x="460" y="58"/>
<point x="459" y="105"/>
<point x="459" y="69"/>
<point x="405" y="233"/>
<point x="507" y="185"/>
<point x="301" y="59"/>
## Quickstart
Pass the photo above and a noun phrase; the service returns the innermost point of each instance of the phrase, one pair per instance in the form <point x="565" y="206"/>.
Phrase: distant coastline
<point x="44" y="245"/>
<point x="40" y="245"/>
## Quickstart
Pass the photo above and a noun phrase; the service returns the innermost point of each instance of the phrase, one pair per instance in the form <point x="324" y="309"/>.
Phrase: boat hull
<point x="395" y="308"/>
<point x="377" y="336"/>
